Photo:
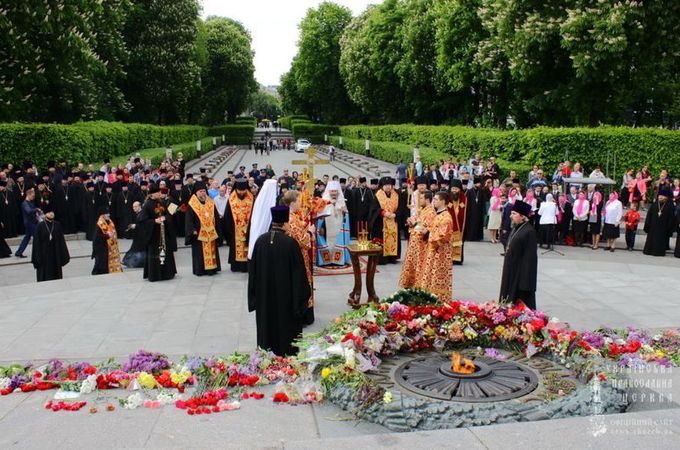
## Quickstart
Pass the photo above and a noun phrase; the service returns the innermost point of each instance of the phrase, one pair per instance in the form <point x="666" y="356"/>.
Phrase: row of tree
<point x="151" y="61"/>
<point x="490" y="63"/>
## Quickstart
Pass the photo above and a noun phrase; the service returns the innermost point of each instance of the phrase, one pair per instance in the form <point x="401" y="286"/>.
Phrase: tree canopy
<point x="496" y="62"/>
<point x="134" y="60"/>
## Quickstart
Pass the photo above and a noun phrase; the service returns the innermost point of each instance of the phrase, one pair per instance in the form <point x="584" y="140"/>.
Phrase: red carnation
<point x="91" y="370"/>
<point x="632" y="346"/>
<point x="281" y="397"/>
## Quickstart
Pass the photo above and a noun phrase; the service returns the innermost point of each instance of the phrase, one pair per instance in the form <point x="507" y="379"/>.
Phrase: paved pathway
<point x="95" y="317"/>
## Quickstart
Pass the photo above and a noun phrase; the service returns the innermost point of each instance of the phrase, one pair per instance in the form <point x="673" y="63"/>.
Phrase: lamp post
<point x="367" y="147"/>
<point x="198" y="148"/>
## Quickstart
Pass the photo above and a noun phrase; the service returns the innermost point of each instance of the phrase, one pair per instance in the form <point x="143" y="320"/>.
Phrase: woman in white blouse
<point x="611" y="215"/>
<point x="548" y="214"/>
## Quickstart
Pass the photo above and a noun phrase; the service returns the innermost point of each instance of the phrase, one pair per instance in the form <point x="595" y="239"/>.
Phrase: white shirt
<point x="221" y="204"/>
<point x="614" y="212"/>
<point x="548" y="213"/>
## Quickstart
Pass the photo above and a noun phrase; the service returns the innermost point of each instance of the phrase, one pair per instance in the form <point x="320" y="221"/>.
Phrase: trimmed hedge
<point x="632" y="147"/>
<point x="287" y="121"/>
<point x="87" y="141"/>
<point x="246" y="120"/>
<point x="314" y="132"/>
<point x="234" y="134"/>
<point x="157" y="154"/>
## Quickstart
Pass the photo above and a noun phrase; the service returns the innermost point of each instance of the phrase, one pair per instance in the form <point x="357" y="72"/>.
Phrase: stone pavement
<point x="94" y="317"/>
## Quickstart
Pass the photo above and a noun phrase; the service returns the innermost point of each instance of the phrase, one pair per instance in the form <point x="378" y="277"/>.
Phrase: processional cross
<point x="308" y="173"/>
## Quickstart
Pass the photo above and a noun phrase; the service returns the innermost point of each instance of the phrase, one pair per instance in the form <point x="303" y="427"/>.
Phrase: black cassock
<point x="518" y="281"/>
<point x="76" y="208"/>
<point x="89" y="206"/>
<point x="122" y="204"/>
<point x="361" y="202"/>
<point x="403" y="213"/>
<point x="349" y="203"/>
<point x="9" y="213"/>
<point x="474" y="221"/>
<point x="193" y="223"/>
<point x="150" y="232"/>
<point x="136" y="255"/>
<point x="659" y="228"/>
<point x="677" y="228"/>
<point x="49" y="255"/>
<point x="278" y="291"/>
<point x="5" y="251"/>
<point x="100" y="252"/>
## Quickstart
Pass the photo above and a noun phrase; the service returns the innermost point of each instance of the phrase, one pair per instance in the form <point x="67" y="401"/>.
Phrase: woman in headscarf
<point x="611" y="216"/>
<point x="580" y="213"/>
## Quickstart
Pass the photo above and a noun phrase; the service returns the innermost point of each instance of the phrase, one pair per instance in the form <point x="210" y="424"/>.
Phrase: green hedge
<point x="394" y="151"/>
<point x="246" y="120"/>
<point x="234" y="134"/>
<point x="157" y="154"/>
<point x="632" y="147"/>
<point x="287" y="121"/>
<point x="87" y="141"/>
<point x="314" y="132"/>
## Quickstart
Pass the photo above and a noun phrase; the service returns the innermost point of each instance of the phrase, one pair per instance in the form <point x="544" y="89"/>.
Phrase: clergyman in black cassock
<point x="677" y="228"/>
<point x="278" y="289"/>
<point x="49" y="253"/>
<point x="518" y="281"/>
<point x="160" y="248"/>
<point x="659" y="225"/>
<point x="361" y="200"/>
<point x="136" y="255"/>
<point x="5" y="251"/>
<point x="476" y="204"/>
<point x="8" y="210"/>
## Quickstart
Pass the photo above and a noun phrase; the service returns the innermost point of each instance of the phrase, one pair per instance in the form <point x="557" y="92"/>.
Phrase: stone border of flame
<point x="408" y="411"/>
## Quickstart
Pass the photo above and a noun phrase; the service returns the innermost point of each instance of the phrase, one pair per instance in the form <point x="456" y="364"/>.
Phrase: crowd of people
<point x="437" y="208"/>
<point x="571" y="213"/>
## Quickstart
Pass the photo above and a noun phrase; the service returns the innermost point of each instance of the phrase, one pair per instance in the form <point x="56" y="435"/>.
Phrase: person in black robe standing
<point x="659" y="225"/>
<point x="361" y="200"/>
<point x="403" y="212"/>
<point x="676" y="253"/>
<point x="135" y="257"/>
<point x="8" y="210"/>
<point x="90" y="208"/>
<point x="520" y="266"/>
<point x="278" y="289"/>
<point x="105" y="250"/>
<point x="159" y="240"/>
<point x="49" y="253"/>
<point x="476" y="204"/>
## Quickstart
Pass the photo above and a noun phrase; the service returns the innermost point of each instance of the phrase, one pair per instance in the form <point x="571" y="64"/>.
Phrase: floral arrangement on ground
<point x="340" y="356"/>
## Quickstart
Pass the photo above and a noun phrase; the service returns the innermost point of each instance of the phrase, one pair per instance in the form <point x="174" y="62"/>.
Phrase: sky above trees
<point x="273" y="25"/>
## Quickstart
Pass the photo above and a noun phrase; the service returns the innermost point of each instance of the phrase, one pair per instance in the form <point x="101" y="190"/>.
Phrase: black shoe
<point x="503" y="254"/>
<point x="21" y="256"/>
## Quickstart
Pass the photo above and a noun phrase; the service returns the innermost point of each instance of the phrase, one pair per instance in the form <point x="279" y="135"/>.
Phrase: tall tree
<point x="161" y="37"/>
<point x="371" y="45"/>
<point x="317" y="75"/>
<point x="60" y="60"/>
<point x="264" y="105"/>
<point x="229" y="73"/>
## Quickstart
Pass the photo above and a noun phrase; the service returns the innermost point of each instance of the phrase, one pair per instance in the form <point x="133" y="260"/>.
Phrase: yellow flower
<point x="180" y="377"/>
<point x="325" y="372"/>
<point x="499" y="329"/>
<point x="387" y="398"/>
<point x="146" y="380"/>
<point x="660" y="354"/>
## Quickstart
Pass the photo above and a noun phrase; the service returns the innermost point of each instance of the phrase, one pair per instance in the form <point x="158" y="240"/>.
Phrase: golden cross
<point x="310" y="162"/>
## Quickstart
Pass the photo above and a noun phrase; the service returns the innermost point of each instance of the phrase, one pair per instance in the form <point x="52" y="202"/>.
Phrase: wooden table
<point x="373" y="253"/>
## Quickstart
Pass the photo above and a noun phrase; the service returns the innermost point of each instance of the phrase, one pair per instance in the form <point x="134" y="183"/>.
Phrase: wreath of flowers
<point x="342" y="354"/>
<point x="411" y="321"/>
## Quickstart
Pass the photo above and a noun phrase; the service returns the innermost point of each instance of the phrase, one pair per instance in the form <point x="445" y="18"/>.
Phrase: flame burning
<point x="464" y="366"/>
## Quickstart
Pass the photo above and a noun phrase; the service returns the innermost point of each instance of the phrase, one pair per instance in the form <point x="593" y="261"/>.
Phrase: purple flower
<point x="593" y="339"/>
<point x="632" y="361"/>
<point x="194" y="363"/>
<point x="498" y="317"/>
<point x="144" y="361"/>
<point x="17" y="380"/>
<point x="495" y="354"/>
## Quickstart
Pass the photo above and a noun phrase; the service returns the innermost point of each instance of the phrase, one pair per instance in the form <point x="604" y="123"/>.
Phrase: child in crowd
<point x="632" y="218"/>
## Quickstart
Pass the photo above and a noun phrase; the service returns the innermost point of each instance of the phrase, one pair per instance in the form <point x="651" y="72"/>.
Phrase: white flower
<point x="4" y="382"/>
<point x="134" y="401"/>
<point x="387" y="398"/>
<point x="89" y="384"/>
<point x="166" y="399"/>
<point x="350" y="359"/>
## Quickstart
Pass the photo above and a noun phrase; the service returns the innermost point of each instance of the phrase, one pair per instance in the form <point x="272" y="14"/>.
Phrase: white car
<point x="302" y="145"/>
